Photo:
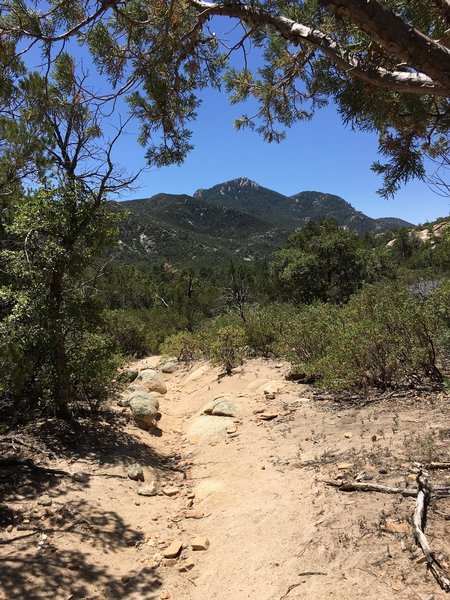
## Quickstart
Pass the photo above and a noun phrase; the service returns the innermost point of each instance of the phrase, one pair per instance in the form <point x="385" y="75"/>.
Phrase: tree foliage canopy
<point x="386" y="64"/>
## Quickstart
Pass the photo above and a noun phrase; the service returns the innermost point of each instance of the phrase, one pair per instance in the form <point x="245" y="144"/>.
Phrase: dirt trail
<point x="276" y="530"/>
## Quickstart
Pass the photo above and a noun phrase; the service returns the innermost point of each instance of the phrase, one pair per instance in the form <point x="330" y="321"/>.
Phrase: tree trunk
<point x="62" y="385"/>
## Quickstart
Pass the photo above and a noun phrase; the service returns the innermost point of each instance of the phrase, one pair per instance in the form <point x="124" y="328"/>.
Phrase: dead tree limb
<point x="434" y="466"/>
<point x="419" y="520"/>
<point x="13" y="440"/>
<point x="372" y="487"/>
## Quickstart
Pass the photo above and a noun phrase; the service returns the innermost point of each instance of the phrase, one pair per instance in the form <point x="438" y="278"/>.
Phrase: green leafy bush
<point x="266" y="327"/>
<point x="308" y="335"/>
<point x="383" y="338"/>
<point x="185" y="345"/>
<point x="438" y="308"/>
<point x="226" y="347"/>
<point x="126" y="331"/>
<point x="161" y="322"/>
<point x="93" y="367"/>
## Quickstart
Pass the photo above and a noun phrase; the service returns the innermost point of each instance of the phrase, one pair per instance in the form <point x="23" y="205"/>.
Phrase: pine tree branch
<point x="402" y="81"/>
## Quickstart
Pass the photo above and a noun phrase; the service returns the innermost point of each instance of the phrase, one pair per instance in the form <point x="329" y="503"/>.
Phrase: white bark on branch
<point x="419" y="518"/>
<point x="396" y="36"/>
<point x="402" y="81"/>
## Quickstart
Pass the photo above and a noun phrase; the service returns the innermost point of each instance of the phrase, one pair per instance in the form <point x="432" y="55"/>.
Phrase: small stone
<point x="397" y="526"/>
<point x="80" y="477"/>
<point x="169" y="562"/>
<point x="231" y="429"/>
<point x="125" y="578"/>
<point x="27" y="490"/>
<point x="421" y="560"/>
<point x="164" y="595"/>
<point x="344" y="466"/>
<point x="187" y="565"/>
<point x="194" y="514"/>
<point x="173" y="550"/>
<point x="396" y="586"/>
<point x="266" y="416"/>
<point x="152" y="381"/>
<point x="135" y="472"/>
<point x="9" y="528"/>
<point x="269" y="396"/>
<point x="149" y="489"/>
<point x="382" y="471"/>
<point x="45" y="500"/>
<point x="171" y="490"/>
<point x="348" y="434"/>
<point x="191" y="495"/>
<point x="200" y="543"/>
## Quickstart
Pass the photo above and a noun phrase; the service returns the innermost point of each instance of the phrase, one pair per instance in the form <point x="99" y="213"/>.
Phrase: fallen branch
<point x="295" y="585"/>
<point x="437" y="465"/>
<point x="290" y="588"/>
<point x="30" y="464"/>
<point x="372" y="487"/>
<point x="419" y="520"/>
<point x="13" y="440"/>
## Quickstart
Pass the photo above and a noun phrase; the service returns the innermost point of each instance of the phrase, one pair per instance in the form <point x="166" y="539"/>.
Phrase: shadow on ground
<point x="102" y="439"/>
<point x="34" y="566"/>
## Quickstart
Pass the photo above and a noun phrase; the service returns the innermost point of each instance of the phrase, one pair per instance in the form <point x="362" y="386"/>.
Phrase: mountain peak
<point x="234" y="186"/>
<point x="244" y="182"/>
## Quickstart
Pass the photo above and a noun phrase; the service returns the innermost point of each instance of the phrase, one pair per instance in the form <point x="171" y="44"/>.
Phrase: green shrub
<point x="225" y="347"/>
<point x="308" y="335"/>
<point x="93" y="367"/>
<point x="266" y="327"/>
<point x="438" y="308"/>
<point x="160" y="322"/>
<point x="185" y="345"/>
<point x="127" y="332"/>
<point x="384" y="338"/>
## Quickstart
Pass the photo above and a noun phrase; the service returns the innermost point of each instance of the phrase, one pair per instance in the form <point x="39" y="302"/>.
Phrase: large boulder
<point x="197" y="373"/>
<point x="152" y="380"/>
<point x="168" y="366"/>
<point x="206" y="428"/>
<point x="223" y="406"/>
<point x="147" y="396"/>
<point x="145" y="409"/>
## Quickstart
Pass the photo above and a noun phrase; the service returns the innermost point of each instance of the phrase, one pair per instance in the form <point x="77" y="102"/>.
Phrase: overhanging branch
<point x="402" y="81"/>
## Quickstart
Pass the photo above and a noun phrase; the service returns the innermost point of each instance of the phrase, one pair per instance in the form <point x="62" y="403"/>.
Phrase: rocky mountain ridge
<point x="236" y="219"/>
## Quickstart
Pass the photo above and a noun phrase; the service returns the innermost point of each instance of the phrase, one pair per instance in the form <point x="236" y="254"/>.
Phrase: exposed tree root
<point x="423" y="495"/>
<point x="419" y="520"/>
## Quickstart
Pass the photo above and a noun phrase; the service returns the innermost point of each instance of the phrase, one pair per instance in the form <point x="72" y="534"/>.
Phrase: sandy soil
<point x="276" y="529"/>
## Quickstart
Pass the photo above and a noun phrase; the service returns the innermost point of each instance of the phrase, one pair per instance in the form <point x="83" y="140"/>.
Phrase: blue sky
<point x="320" y="155"/>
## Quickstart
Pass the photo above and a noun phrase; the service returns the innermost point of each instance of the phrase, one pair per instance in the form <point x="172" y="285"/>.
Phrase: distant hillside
<point x="238" y="218"/>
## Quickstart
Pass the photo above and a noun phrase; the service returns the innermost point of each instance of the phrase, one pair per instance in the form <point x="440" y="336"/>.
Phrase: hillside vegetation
<point x="237" y="219"/>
